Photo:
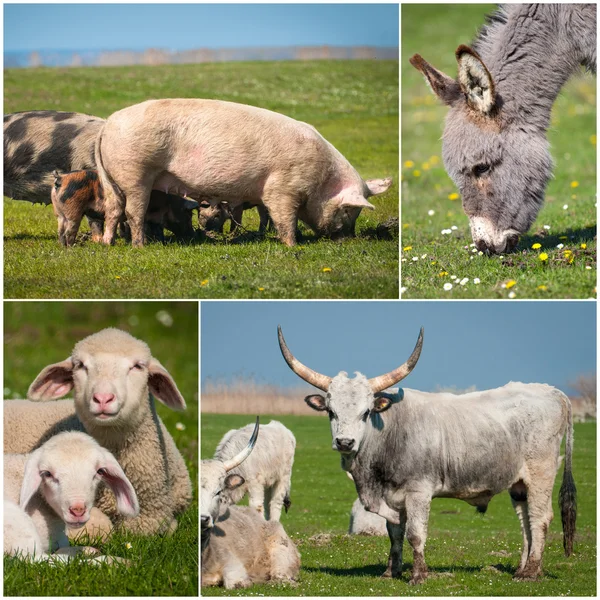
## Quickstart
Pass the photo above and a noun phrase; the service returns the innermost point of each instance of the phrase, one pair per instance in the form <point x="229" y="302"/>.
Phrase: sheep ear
<point x="53" y="382"/>
<point x="31" y="478"/>
<point x="444" y="87"/>
<point x="475" y="80"/>
<point x="163" y="386"/>
<point x="112" y="474"/>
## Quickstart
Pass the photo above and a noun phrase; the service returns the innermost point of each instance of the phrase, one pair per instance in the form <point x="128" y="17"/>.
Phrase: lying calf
<point x="239" y="547"/>
<point x="79" y="193"/>
<point x="53" y="489"/>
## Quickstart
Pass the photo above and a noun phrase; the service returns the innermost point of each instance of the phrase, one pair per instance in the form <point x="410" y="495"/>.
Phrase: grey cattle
<point x="494" y="143"/>
<point x="228" y="152"/>
<point x="38" y="142"/>
<point x="267" y="471"/>
<point x="238" y="546"/>
<point x="406" y="447"/>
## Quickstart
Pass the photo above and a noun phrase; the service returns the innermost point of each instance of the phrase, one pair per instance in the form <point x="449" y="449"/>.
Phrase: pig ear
<point x="163" y="386"/>
<point x="113" y="475"/>
<point x="190" y="204"/>
<point x="53" y="382"/>
<point x="475" y="80"/>
<point x="378" y="186"/>
<point x="31" y="478"/>
<point x="444" y="87"/>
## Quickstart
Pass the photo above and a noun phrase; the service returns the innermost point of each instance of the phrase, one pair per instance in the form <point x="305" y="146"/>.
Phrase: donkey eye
<point x="479" y="170"/>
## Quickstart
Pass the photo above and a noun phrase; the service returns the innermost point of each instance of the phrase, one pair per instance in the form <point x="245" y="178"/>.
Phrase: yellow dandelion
<point x="409" y="164"/>
<point x="433" y="262"/>
<point x="574" y="184"/>
<point x="204" y="282"/>
<point x="567" y="253"/>
<point x="536" y="246"/>
<point x="407" y="248"/>
<point x="543" y="256"/>
<point x="326" y="270"/>
<point x="128" y="546"/>
<point x="510" y="283"/>
<point x="583" y="246"/>
<point x="426" y="166"/>
<point x="593" y="140"/>
<point x="434" y="160"/>
<point x="443" y="274"/>
<point x="542" y="288"/>
<point x="416" y="173"/>
<point x="405" y="225"/>
<point x="261" y="289"/>
<point x="453" y="196"/>
<point x="117" y="277"/>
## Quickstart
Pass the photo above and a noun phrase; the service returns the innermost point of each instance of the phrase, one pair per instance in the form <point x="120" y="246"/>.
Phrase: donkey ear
<point x="163" y="386"/>
<point x="31" y="478"/>
<point x="53" y="382"/>
<point x="475" y="80"/>
<point x="110" y="471"/>
<point x="444" y="87"/>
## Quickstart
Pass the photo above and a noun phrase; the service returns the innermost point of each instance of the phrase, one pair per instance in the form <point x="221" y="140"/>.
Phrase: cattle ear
<point x="444" y="87"/>
<point x="382" y="402"/>
<point x="234" y="481"/>
<point x="316" y="402"/>
<point x="475" y="80"/>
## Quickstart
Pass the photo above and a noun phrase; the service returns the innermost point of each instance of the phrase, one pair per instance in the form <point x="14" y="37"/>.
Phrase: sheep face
<point x="67" y="470"/>
<point x="111" y="373"/>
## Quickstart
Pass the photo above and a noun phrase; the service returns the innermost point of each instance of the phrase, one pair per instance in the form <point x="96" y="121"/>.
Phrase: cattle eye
<point x="332" y="415"/>
<point x="365" y="415"/>
<point x="479" y="170"/>
<point x="218" y="492"/>
<point x="102" y="472"/>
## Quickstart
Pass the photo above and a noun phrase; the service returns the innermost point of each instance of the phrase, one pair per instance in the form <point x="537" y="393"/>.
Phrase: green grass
<point x="354" y="104"/>
<point x="439" y="257"/>
<point x="39" y="333"/>
<point x="467" y="553"/>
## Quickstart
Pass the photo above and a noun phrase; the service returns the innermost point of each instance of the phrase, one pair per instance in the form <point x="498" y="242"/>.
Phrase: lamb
<point x="267" y="471"/>
<point x="238" y="546"/>
<point x="53" y="488"/>
<point x="112" y="373"/>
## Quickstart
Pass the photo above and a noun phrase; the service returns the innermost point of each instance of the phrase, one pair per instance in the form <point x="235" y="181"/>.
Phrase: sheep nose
<point x="103" y="399"/>
<point x="77" y="510"/>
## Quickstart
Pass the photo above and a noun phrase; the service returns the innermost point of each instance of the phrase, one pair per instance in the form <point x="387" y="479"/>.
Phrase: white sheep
<point x="267" y="471"/>
<point x="53" y="489"/>
<point x="112" y="375"/>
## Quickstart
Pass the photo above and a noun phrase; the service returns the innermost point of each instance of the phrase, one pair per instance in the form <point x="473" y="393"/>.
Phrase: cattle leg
<point x="283" y="556"/>
<point x="417" y="516"/>
<point x="235" y="574"/>
<point x="275" y="504"/>
<point x="256" y="497"/>
<point x="518" y="496"/>
<point x="539" y="508"/>
<point x="396" y="535"/>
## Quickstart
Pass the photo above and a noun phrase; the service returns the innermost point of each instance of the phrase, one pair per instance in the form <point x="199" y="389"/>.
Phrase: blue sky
<point x="187" y="26"/>
<point x="485" y="344"/>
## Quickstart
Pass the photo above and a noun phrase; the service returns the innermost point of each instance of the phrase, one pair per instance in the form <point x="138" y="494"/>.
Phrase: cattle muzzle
<point x="206" y="522"/>
<point x="344" y="444"/>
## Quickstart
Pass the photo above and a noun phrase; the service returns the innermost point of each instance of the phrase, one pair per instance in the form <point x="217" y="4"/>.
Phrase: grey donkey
<point x="494" y="144"/>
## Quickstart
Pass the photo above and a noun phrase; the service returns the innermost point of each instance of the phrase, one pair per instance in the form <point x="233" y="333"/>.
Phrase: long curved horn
<point x="319" y="381"/>
<point x="240" y="457"/>
<point x="382" y="382"/>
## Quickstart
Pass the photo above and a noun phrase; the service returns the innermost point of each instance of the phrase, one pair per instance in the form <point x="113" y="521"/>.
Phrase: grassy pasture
<point x="39" y="333"/>
<point x="430" y="202"/>
<point x="354" y="104"/>
<point x="467" y="554"/>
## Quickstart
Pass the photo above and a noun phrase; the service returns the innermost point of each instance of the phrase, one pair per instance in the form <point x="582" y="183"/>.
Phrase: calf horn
<point x="382" y="382"/>
<point x="240" y="457"/>
<point x="319" y="381"/>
